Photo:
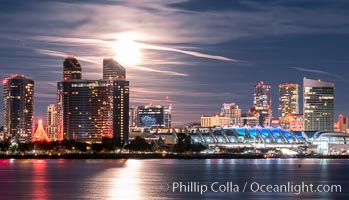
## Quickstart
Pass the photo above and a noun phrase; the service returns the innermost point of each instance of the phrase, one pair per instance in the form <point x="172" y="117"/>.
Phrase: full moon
<point x="127" y="52"/>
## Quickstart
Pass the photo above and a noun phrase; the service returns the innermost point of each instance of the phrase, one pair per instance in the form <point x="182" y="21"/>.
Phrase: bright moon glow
<point x="128" y="52"/>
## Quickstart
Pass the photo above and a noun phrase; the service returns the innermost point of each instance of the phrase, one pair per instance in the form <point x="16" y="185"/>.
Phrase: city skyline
<point x="219" y="59"/>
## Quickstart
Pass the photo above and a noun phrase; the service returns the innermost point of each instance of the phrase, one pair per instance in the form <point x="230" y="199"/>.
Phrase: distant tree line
<point x="107" y="144"/>
<point x="139" y="144"/>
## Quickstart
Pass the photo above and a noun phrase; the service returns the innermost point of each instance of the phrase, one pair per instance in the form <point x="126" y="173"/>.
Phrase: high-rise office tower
<point x="120" y="94"/>
<point x="18" y="108"/>
<point x="318" y="109"/>
<point x="288" y="99"/>
<point x="262" y="103"/>
<point x="52" y="122"/>
<point x="232" y="111"/>
<point x="71" y="68"/>
<point x="93" y="109"/>
<point x="86" y="109"/>
<point x="112" y="69"/>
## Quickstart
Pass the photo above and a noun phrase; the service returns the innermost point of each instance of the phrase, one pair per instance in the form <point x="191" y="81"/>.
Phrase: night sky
<point x="199" y="53"/>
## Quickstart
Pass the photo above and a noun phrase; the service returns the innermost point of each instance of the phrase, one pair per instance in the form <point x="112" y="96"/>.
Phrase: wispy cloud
<point x="63" y="55"/>
<point x="98" y="60"/>
<point x="316" y="71"/>
<point x="192" y="53"/>
<point x="107" y="44"/>
<point x="161" y="71"/>
<point x="170" y="36"/>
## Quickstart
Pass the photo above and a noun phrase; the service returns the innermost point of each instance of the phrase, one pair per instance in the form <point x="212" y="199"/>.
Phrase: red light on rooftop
<point x="4" y="81"/>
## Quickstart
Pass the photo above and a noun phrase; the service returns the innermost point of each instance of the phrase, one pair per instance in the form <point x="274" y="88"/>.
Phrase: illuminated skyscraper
<point x="112" y="69"/>
<point x="71" y="68"/>
<point x="93" y="109"/>
<point x="52" y="122"/>
<point x="318" y="109"/>
<point x="288" y="99"/>
<point x="262" y="103"/>
<point x="18" y="108"/>
<point x="120" y="94"/>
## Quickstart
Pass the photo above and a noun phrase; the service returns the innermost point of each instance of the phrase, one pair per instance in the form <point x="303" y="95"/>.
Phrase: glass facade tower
<point x="288" y="99"/>
<point x="71" y="68"/>
<point x="93" y="109"/>
<point x="90" y="110"/>
<point x="18" y="108"/>
<point x="262" y="103"/>
<point x="318" y="109"/>
<point x="113" y="70"/>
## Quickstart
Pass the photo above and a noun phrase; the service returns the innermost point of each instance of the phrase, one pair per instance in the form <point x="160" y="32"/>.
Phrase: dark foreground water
<point x="174" y="179"/>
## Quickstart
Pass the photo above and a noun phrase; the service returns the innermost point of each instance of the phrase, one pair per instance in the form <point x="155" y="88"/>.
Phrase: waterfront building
<point x="18" y="108"/>
<point x="288" y="99"/>
<point x="262" y="103"/>
<point x="52" y="122"/>
<point x="318" y="101"/>
<point x="257" y="136"/>
<point x="112" y="69"/>
<point x="232" y="111"/>
<point x="216" y="120"/>
<point x="329" y="143"/>
<point x="93" y="109"/>
<point x="90" y="110"/>
<point x="71" y="68"/>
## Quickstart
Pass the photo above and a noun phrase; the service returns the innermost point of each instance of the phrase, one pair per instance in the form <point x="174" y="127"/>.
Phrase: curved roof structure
<point x="247" y="134"/>
<point x="329" y="134"/>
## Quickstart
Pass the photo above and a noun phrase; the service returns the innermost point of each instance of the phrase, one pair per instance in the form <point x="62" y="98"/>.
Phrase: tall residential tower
<point x="52" y="122"/>
<point x="318" y="109"/>
<point x="71" y="68"/>
<point x="112" y="69"/>
<point x="18" y="108"/>
<point x="262" y="103"/>
<point x="288" y="99"/>
<point x="93" y="109"/>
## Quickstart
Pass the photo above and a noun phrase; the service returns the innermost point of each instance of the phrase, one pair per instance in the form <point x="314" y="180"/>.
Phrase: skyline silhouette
<point x="200" y="54"/>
